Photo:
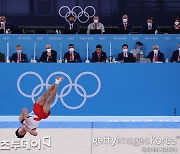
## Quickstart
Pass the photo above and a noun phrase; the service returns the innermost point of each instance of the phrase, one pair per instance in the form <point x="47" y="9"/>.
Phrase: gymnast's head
<point x="20" y="132"/>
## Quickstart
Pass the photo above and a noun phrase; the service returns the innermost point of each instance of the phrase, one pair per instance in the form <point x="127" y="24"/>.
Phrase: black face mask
<point x="71" y="21"/>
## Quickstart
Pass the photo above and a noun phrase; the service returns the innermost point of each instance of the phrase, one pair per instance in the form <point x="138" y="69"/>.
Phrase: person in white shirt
<point x="138" y="52"/>
<point x="96" y="25"/>
<point x="41" y="110"/>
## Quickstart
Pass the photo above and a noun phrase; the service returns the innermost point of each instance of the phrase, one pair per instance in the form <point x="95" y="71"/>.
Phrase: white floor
<point x="92" y="141"/>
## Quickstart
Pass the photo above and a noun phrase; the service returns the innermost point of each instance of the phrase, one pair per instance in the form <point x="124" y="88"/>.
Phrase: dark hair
<point x="150" y="18"/>
<point x="99" y="46"/>
<point x="139" y="43"/>
<point x="17" y="134"/>
<point x="18" y="45"/>
<point x="71" y="45"/>
<point x="96" y="15"/>
<point x="177" y="18"/>
<point x="124" y="45"/>
<point x="71" y="16"/>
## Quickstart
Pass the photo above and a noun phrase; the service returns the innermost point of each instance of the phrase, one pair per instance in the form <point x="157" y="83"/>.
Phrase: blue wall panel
<point x="167" y="43"/>
<point x="124" y="89"/>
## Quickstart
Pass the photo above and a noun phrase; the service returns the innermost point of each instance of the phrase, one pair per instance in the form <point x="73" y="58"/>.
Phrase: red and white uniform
<point x="32" y="121"/>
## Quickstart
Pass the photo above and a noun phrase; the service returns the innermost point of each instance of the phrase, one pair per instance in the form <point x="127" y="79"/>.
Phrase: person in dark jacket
<point x="99" y="55"/>
<point x="49" y="55"/>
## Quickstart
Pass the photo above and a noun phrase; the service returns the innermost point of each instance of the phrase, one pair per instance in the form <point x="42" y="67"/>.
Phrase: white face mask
<point x="18" y="51"/>
<point x="2" y="24"/>
<point x="48" y="50"/>
<point x="125" y="50"/>
<point x="155" y="51"/>
<point x="71" y="49"/>
<point x="96" y="21"/>
<point x="125" y="20"/>
<point x="176" y="23"/>
<point x="179" y="49"/>
<point x="149" y="24"/>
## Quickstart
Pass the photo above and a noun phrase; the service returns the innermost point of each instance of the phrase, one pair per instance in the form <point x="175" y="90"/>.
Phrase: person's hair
<point x="177" y="18"/>
<point x="150" y="18"/>
<point x="96" y="16"/>
<point x="139" y="43"/>
<point x="71" y="16"/>
<point x="18" y="135"/>
<point x="124" y="15"/>
<point x="99" y="46"/>
<point x="71" y="45"/>
<point x="155" y="45"/>
<point x="124" y="45"/>
<point x="18" y="45"/>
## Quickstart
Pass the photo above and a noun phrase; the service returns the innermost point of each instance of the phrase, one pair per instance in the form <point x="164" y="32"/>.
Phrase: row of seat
<point x="83" y="30"/>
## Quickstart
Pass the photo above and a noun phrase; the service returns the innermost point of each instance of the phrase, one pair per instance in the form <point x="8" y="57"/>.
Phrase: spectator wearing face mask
<point x="71" y="27"/>
<point x="125" y="27"/>
<point x="6" y="27"/>
<point x="150" y="27"/>
<point x="155" y="55"/>
<point x="124" y="54"/>
<point x="176" y="55"/>
<point x="175" y="29"/>
<point x="49" y="55"/>
<point x="99" y="55"/>
<point x="72" y="56"/>
<point x="96" y="25"/>
<point x="18" y="56"/>
<point x="138" y="52"/>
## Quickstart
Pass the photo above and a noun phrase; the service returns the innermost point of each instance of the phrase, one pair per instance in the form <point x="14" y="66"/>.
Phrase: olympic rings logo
<point x="62" y="93"/>
<point x="78" y="15"/>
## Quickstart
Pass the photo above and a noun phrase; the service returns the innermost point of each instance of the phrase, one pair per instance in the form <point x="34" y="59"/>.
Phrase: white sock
<point x="57" y="81"/>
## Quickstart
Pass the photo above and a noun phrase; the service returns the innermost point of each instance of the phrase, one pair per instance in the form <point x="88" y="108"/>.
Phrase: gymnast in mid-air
<point x="41" y="110"/>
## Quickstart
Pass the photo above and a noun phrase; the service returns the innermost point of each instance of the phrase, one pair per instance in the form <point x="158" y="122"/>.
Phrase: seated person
<point x="72" y="56"/>
<point x="71" y="27"/>
<point x="7" y="26"/>
<point x="125" y="27"/>
<point x="49" y="55"/>
<point x="137" y="52"/>
<point x="175" y="29"/>
<point x="99" y="55"/>
<point x="156" y="55"/>
<point x="2" y="57"/>
<point x="150" y="27"/>
<point x="125" y="54"/>
<point x="176" y="55"/>
<point x="19" y="56"/>
<point x="95" y="25"/>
